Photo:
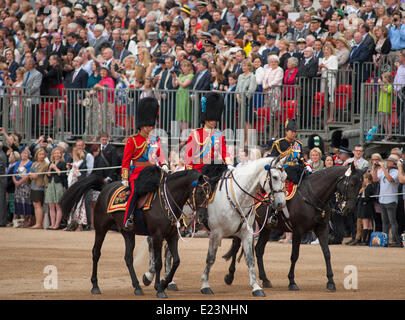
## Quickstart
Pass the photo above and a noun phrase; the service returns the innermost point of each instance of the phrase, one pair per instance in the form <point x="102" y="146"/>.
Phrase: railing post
<point x="6" y="110"/>
<point x="105" y="109"/>
<point x="362" y="113"/>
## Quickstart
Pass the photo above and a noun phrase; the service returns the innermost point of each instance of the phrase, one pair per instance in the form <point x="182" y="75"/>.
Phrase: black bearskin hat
<point x="337" y="140"/>
<point x="212" y="106"/>
<point x="291" y="124"/>
<point x="148" y="109"/>
<point x="315" y="141"/>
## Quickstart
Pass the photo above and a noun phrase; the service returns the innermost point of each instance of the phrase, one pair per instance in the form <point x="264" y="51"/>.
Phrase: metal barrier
<point x="382" y="112"/>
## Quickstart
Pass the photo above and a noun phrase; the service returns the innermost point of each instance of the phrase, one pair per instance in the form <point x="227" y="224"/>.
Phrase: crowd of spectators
<point x="196" y="45"/>
<point x="236" y="47"/>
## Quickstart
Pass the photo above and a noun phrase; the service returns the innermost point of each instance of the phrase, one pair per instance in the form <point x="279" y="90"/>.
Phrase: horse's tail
<point x="72" y="196"/>
<point x="233" y="251"/>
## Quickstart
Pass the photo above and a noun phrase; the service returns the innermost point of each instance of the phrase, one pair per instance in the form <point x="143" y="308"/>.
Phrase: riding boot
<point x="129" y="220"/>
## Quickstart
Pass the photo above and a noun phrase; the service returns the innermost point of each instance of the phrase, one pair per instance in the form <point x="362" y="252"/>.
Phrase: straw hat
<point x="344" y="41"/>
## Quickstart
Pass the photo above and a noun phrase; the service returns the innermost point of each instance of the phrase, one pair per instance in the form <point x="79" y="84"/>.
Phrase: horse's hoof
<point x="258" y="293"/>
<point x="331" y="286"/>
<point x="293" y="287"/>
<point x="161" y="295"/>
<point x="207" y="291"/>
<point x="228" y="279"/>
<point x="138" y="292"/>
<point x="267" y="284"/>
<point x="146" y="281"/>
<point x="95" y="291"/>
<point x="172" y="287"/>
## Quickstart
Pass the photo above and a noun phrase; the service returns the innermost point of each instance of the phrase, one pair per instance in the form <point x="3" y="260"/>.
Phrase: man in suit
<point x="307" y="70"/>
<point x="72" y="42"/>
<point x="168" y="97"/>
<point x="76" y="79"/>
<point x="32" y="82"/>
<point x="359" y="54"/>
<point x="99" y="39"/>
<point x="240" y="55"/>
<point x="108" y="157"/>
<point x="326" y="11"/>
<point x="269" y="47"/>
<point x="318" y="52"/>
<point x="154" y="48"/>
<point x="57" y="47"/>
<point x="217" y="22"/>
<point x="120" y="52"/>
<point x="300" y="31"/>
<point x="367" y="12"/>
<point x="253" y="12"/>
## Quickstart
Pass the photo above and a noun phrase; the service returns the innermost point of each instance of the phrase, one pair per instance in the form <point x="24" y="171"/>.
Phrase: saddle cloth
<point x="119" y="200"/>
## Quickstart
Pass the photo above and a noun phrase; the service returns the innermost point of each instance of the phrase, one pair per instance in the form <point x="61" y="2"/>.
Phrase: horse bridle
<point x="166" y="194"/>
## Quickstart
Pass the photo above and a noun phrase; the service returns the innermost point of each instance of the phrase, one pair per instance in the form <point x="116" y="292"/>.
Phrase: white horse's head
<point x="274" y="181"/>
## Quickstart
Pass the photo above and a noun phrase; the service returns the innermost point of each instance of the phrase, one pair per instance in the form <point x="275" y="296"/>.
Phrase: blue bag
<point x="379" y="239"/>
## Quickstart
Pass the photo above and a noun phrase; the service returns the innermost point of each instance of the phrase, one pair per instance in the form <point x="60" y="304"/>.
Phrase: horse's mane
<point x="180" y="174"/>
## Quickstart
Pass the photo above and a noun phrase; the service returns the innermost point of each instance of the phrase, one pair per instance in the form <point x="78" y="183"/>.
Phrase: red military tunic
<point x="205" y="146"/>
<point x="139" y="153"/>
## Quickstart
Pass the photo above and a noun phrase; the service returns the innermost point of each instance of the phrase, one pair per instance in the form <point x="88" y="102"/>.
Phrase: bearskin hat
<point x="315" y="141"/>
<point x="148" y="109"/>
<point x="212" y="106"/>
<point x="337" y="140"/>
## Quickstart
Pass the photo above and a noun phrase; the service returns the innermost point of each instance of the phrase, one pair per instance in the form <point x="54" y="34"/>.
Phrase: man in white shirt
<point x="359" y="161"/>
<point x="388" y="179"/>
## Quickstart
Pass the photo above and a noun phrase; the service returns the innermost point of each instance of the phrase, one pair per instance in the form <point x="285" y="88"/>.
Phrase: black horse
<point x="160" y="221"/>
<point x="309" y="211"/>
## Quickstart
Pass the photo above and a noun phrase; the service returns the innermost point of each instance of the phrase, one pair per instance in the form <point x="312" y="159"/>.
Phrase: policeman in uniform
<point x="207" y="145"/>
<point x="295" y="165"/>
<point x="141" y="150"/>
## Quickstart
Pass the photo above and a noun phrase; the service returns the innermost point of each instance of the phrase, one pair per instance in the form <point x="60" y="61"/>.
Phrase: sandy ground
<point x="24" y="254"/>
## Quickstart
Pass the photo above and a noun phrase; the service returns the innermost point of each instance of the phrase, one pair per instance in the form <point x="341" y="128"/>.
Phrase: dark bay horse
<point x="160" y="220"/>
<point x="309" y="211"/>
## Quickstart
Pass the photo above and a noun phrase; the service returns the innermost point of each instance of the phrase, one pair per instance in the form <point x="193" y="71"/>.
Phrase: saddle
<point x="119" y="200"/>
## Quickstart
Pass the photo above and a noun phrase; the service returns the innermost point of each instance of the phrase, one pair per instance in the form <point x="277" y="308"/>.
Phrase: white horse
<point x="231" y="212"/>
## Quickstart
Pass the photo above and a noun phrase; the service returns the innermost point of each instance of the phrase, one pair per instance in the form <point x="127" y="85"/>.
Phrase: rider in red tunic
<point x="207" y="145"/>
<point x="141" y="150"/>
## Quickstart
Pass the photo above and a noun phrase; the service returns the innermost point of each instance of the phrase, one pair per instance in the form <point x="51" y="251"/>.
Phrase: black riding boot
<point x="129" y="221"/>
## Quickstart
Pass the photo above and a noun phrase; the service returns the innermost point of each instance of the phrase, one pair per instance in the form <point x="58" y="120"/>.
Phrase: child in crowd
<point x="385" y="102"/>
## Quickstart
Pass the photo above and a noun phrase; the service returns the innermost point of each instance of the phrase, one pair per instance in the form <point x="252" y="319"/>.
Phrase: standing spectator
<point x="32" y="84"/>
<point x="316" y="161"/>
<point x="230" y="102"/>
<point x="183" y="103"/>
<point x="359" y="161"/>
<point x="342" y="53"/>
<point x="388" y="178"/>
<point x="245" y="90"/>
<point x="307" y="70"/>
<point x="273" y="79"/>
<point x="217" y="78"/>
<point x="358" y="56"/>
<point x="290" y="78"/>
<point x="57" y="183"/>
<point x="23" y="205"/>
<point x="202" y="78"/>
<point x="108" y="157"/>
<point x="76" y="79"/>
<point x="396" y="32"/>
<point x="259" y="74"/>
<point x="385" y="103"/>
<point x="399" y="80"/>
<point x="365" y="210"/>
<point x="329" y="66"/>
<point x="11" y="64"/>
<point x="383" y="44"/>
<point x="3" y="188"/>
<point x="13" y="158"/>
<point x="38" y="186"/>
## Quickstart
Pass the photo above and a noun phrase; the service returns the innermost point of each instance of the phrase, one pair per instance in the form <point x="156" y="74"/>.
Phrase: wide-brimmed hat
<point x="153" y="36"/>
<point x="344" y="41"/>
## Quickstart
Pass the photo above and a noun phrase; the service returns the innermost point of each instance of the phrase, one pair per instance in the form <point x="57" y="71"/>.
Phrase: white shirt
<point x="387" y="187"/>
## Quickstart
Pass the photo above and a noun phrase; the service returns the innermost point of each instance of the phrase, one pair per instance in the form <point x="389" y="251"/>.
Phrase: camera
<point x="396" y="20"/>
<point x="401" y="160"/>
<point x="376" y="164"/>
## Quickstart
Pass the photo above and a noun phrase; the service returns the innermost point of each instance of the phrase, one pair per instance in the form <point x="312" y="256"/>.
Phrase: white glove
<point x="125" y="183"/>
<point x="165" y="168"/>
<point x="309" y="169"/>
<point x="230" y="167"/>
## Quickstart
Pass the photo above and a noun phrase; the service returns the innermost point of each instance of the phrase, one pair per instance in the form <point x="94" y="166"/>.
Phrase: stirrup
<point x="129" y="224"/>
